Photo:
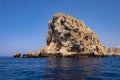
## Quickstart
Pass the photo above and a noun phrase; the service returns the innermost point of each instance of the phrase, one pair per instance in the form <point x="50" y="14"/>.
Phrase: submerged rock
<point x="68" y="36"/>
<point x="17" y="55"/>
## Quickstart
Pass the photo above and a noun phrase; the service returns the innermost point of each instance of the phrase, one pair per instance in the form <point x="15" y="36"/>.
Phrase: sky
<point x="24" y="23"/>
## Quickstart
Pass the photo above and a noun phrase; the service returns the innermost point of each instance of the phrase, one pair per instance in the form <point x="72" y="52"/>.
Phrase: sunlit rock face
<point x="69" y="36"/>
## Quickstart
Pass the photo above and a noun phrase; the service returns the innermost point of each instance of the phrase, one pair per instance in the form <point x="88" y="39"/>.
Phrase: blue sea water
<point x="107" y="68"/>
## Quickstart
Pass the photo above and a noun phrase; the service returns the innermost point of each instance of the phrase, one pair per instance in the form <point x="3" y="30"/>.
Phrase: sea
<point x="106" y="68"/>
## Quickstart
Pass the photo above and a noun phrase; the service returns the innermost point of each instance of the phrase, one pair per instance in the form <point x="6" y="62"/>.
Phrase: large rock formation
<point x="68" y="36"/>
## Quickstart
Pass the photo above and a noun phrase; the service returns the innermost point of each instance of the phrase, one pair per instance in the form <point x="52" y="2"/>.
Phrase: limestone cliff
<point x="69" y="36"/>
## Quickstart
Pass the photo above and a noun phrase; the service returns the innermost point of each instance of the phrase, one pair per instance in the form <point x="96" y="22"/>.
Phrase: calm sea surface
<point x="107" y="68"/>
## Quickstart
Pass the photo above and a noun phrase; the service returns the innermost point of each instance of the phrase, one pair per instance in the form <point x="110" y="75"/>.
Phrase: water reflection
<point x="71" y="68"/>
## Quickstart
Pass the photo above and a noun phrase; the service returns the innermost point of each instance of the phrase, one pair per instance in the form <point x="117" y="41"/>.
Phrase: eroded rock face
<point x="69" y="36"/>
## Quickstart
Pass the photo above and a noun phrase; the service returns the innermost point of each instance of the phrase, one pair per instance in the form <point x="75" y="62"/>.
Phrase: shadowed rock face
<point x="69" y="36"/>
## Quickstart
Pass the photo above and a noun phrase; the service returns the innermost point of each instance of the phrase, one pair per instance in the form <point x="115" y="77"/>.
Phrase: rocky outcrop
<point x="68" y="36"/>
<point x="29" y="55"/>
<point x="114" y="51"/>
<point x="17" y="55"/>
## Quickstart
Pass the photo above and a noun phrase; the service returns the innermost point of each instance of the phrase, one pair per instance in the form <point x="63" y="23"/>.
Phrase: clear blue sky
<point x="24" y="23"/>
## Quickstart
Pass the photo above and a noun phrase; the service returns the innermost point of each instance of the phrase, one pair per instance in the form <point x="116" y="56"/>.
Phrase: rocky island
<point x="17" y="55"/>
<point x="70" y="37"/>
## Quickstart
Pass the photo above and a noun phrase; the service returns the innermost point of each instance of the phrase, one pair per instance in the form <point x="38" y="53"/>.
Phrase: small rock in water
<point x="17" y="55"/>
<point x="29" y="55"/>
